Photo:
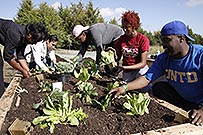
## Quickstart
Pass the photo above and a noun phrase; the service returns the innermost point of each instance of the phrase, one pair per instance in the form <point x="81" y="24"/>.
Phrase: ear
<point x="181" y="38"/>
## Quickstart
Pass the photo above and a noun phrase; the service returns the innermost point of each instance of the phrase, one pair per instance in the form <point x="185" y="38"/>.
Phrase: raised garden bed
<point x="113" y="121"/>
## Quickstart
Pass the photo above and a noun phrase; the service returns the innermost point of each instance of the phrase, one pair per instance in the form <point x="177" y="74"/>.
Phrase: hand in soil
<point x="26" y="74"/>
<point x="196" y="116"/>
<point x="119" y="91"/>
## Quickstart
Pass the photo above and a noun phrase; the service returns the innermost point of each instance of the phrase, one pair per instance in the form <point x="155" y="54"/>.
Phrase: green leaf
<point x="52" y="127"/>
<point x="136" y="104"/>
<point x="49" y="112"/>
<point x="36" y="106"/>
<point x="39" y="119"/>
<point x="127" y="106"/>
<point x="74" y="121"/>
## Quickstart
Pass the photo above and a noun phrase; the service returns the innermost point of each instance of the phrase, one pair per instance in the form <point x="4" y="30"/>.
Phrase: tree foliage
<point x="61" y="21"/>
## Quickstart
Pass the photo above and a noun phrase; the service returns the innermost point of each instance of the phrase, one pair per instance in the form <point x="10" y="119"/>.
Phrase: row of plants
<point x="57" y="106"/>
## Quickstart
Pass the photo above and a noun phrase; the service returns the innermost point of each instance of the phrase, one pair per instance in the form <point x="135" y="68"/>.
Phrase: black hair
<point x="53" y="38"/>
<point x="38" y="31"/>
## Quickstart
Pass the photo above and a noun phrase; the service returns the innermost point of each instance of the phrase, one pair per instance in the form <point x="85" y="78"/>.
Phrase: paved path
<point x="64" y="53"/>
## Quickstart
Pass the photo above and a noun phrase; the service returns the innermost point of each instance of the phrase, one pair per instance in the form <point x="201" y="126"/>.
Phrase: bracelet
<point x="125" y="87"/>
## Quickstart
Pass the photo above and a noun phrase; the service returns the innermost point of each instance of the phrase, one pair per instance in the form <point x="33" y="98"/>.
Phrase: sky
<point x="153" y="13"/>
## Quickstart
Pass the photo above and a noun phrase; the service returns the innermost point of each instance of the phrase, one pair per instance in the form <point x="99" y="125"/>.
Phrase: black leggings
<point x="164" y="91"/>
<point x="2" y="89"/>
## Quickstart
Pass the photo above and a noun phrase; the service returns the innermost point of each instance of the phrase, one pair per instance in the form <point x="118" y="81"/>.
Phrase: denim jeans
<point x="164" y="91"/>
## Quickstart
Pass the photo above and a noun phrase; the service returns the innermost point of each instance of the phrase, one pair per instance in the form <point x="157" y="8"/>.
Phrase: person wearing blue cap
<point x="182" y="64"/>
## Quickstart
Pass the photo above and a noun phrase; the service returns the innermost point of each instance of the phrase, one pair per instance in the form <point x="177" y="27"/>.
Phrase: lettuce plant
<point x="107" y="57"/>
<point x="112" y="85"/>
<point x="45" y="86"/>
<point x="87" y="91"/>
<point x="104" y="103"/>
<point x="85" y="88"/>
<point x="58" y="110"/>
<point x="136" y="104"/>
<point x="65" y="67"/>
<point x="83" y="74"/>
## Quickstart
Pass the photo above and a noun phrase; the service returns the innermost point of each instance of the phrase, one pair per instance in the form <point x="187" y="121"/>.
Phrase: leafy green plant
<point x="63" y="67"/>
<point x="58" y="110"/>
<point x="112" y="85"/>
<point x="45" y="86"/>
<point x="36" y="71"/>
<point x="85" y="88"/>
<point x="104" y="103"/>
<point x="83" y="74"/>
<point x="91" y="65"/>
<point x="86" y="91"/>
<point x="108" y="58"/>
<point x="136" y="104"/>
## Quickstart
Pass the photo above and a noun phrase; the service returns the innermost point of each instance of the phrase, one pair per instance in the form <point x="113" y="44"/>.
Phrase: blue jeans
<point x="164" y="91"/>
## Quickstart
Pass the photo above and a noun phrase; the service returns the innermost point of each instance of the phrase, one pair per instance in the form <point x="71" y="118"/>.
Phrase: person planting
<point x="14" y="37"/>
<point x="182" y="64"/>
<point x="102" y="35"/>
<point x="133" y="47"/>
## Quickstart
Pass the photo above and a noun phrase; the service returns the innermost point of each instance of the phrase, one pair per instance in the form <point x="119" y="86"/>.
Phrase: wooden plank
<point x="183" y="129"/>
<point x="182" y="115"/>
<point x="7" y="98"/>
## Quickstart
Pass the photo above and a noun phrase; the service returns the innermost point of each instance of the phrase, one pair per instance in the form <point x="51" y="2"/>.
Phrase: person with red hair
<point x="133" y="47"/>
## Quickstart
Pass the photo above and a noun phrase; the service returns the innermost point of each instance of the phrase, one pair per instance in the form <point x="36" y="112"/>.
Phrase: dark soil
<point x="113" y="121"/>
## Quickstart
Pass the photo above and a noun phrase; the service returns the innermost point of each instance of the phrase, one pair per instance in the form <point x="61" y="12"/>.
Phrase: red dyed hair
<point x="132" y="18"/>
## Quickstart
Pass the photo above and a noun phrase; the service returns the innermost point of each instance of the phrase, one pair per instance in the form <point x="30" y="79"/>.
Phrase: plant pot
<point x="61" y="77"/>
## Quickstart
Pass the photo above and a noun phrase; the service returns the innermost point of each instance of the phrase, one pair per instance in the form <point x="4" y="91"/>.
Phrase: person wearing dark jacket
<point x="102" y="35"/>
<point x="14" y="37"/>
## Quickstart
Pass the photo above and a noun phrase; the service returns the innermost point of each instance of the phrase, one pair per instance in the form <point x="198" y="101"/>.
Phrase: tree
<point x="26" y="13"/>
<point x="113" y="21"/>
<point x="79" y="14"/>
<point x="54" y="23"/>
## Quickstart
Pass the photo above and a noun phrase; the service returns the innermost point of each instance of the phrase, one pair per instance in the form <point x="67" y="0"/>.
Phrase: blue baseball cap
<point x="175" y="28"/>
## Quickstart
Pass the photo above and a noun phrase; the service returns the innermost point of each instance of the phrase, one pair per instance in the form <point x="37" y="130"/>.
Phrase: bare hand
<point x="119" y="90"/>
<point x="197" y="116"/>
<point x="26" y="74"/>
<point x="49" y="72"/>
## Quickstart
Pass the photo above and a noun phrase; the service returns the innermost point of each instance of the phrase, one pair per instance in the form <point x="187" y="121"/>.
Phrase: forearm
<point x="141" y="64"/>
<point x="24" y="65"/>
<point x="137" y="84"/>
<point x="135" y="66"/>
<point x="16" y="65"/>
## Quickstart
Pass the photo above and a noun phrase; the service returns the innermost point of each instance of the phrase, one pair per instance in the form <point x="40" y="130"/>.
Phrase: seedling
<point x="45" y="86"/>
<point x="104" y="103"/>
<point x="136" y="104"/>
<point x="87" y="91"/>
